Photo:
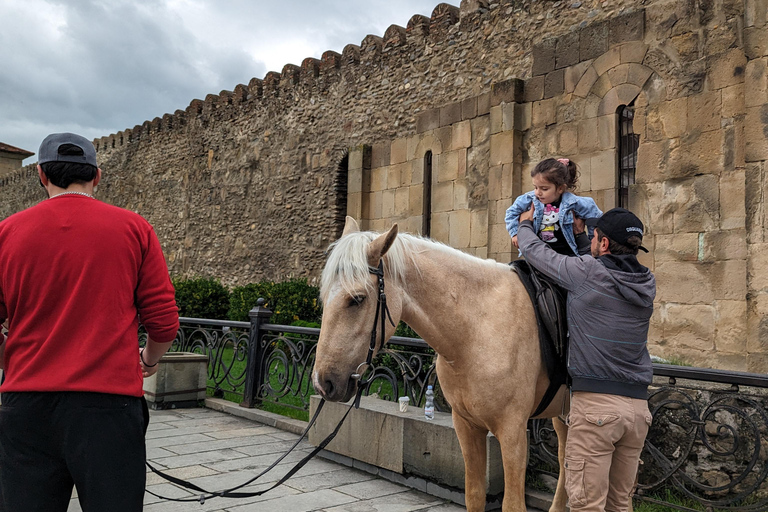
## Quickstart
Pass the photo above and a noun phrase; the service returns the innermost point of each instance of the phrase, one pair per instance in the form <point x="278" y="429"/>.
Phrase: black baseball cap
<point x="618" y="224"/>
<point x="49" y="149"/>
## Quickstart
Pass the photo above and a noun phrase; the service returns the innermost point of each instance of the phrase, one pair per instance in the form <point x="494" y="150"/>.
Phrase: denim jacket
<point x="583" y="207"/>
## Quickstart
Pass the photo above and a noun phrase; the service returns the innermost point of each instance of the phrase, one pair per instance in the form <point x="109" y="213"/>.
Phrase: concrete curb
<point x="265" y="417"/>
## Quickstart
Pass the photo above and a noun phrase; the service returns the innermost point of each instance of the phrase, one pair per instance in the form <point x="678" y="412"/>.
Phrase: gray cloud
<point x="98" y="66"/>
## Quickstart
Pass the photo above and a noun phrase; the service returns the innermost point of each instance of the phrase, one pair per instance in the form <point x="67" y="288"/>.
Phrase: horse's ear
<point x="381" y="245"/>
<point x="350" y="226"/>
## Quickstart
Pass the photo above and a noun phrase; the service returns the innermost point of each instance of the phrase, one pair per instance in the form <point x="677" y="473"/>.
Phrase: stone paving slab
<point x="215" y="451"/>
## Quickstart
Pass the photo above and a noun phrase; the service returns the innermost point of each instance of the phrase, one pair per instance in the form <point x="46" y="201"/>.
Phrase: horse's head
<point x="350" y="292"/>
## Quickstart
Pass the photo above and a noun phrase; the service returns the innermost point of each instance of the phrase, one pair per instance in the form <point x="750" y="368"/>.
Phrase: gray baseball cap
<point x="49" y="149"/>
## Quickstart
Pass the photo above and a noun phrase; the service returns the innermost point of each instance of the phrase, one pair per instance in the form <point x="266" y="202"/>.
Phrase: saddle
<point x="548" y="300"/>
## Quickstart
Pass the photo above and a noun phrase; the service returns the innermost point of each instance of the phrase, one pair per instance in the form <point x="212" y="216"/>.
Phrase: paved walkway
<point x="215" y="451"/>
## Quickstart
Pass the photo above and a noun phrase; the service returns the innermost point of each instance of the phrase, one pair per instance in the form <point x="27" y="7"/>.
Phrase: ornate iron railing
<point x="707" y="448"/>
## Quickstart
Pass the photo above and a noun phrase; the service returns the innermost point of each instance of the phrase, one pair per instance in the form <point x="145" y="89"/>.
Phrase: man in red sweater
<point x="76" y="278"/>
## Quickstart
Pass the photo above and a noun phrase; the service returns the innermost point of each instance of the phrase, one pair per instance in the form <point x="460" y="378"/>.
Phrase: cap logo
<point x="633" y="228"/>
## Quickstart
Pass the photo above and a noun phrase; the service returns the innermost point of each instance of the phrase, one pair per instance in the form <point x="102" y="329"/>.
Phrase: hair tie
<point x="564" y="161"/>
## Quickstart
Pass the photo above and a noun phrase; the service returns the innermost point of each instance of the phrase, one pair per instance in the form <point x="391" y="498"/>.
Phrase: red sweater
<point x="76" y="277"/>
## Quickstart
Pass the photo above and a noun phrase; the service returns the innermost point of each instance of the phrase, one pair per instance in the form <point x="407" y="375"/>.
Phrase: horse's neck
<point x="445" y="292"/>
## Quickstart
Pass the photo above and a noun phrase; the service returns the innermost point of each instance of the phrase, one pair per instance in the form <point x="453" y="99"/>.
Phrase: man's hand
<point x="579" y="226"/>
<point x="528" y="215"/>
<point x="514" y="241"/>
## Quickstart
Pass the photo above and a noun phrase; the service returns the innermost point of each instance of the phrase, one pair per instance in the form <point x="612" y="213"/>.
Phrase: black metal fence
<point x="707" y="448"/>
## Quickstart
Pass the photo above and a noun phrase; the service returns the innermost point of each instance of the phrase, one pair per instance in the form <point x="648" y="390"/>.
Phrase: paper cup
<point x="403" y="400"/>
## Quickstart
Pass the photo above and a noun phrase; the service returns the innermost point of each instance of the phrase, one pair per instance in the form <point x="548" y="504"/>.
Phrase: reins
<point x="382" y="312"/>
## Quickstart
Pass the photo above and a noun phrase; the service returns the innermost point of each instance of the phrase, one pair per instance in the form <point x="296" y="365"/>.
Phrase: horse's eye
<point x="356" y="300"/>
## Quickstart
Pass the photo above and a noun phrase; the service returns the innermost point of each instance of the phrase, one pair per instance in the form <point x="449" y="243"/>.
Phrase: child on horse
<point x="554" y="206"/>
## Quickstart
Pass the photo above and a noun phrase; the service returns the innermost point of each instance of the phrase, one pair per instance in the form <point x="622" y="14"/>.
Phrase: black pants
<point x="52" y="441"/>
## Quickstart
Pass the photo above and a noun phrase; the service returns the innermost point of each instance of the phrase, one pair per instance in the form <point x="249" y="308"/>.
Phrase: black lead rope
<point x="382" y="312"/>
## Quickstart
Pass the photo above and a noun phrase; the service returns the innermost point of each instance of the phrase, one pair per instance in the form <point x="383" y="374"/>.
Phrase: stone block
<point x="460" y="195"/>
<point x="544" y="57"/>
<point x="607" y="60"/>
<point x="388" y="203"/>
<point x="428" y="120"/>
<point x="180" y="381"/>
<point x="686" y="46"/>
<point x="638" y="74"/>
<point x="462" y="172"/>
<point x="478" y="228"/>
<point x="355" y="181"/>
<point x="404" y="171"/>
<point x="534" y="89"/>
<point x="756" y="83"/>
<point x="755" y="130"/>
<point x="440" y="229"/>
<point x="416" y="200"/>
<point x="567" y="50"/>
<point x="755" y="185"/>
<point x="573" y="74"/>
<point x="587" y="80"/>
<point x="588" y="136"/>
<point x="618" y="96"/>
<point x="755" y="42"/>
<point x="603" y="170"/>
<point x="417" y="171"/>
<point x="494" y="182"/>
<point x="544" y="113"/>
<point x="402" y="201"/>
<point x="689" y="325"/>
<point x="483" y="104"/>
<point x="726" y="69"/>
<point x="393" y="176"/>
<point x="627" y="27"/>
<point x="757" y="363"/>
<point x="704" y="111"/>
<point x="607" y="130"/>
<point x="757" y="323"/>
<point x="355" y="205"/>
<point x="461" y="135"/>
<point x="695" y="203"/>
<point x="496" y="119"/>
<point x="398" y="152"/>
<point x="729" y="279"/>
<point x="356" y="155"/>
<point x="442" y="197"/>
<point x="444" y="134"/>
<point x="499" y="240"/>
<point x="379" y="178"/>
<point x="676" y="247"/>
<point x="482" y="252"/>
<point x="568" y="142"/>
<point x="758" y="268"/>
<point x="469" y="108"/>
<point x="673" y="116"/>
<point x="380" y="154"/>
<point x="509" y="180"/>
<point x="617" y="75"/>
<point x="593" y="40"/>
<point x="448" y="168"/>
<point x="733" y="101"/>
<point x="481" y="131"/>
<point x="705" y="154"/>
<point x="460" y="229"/>
<point x="375" y="205"/>
<point x="684" y="282"/>
<point x="602" y="85"/>
<point x="554" y="83"/>
<point x="502" y="148"/>
<point x="508" y="116"/>
<point x="755" y="13"/>
<point x="732" y="200"/>
<point x="450" y="114"/>
<point x="523" y="113"/>
<point x="508" y="91"/>
<point x="633" y="52"/>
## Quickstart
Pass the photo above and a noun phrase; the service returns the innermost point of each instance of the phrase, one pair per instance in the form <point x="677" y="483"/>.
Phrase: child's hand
<point x="514" y="241"/>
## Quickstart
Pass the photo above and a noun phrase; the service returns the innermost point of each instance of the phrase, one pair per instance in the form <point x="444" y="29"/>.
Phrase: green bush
<point x="201" y="298"/>
<point x="289" y="301"/>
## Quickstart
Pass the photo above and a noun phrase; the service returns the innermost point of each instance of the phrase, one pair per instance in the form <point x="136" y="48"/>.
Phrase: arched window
<point x="628" y="143"/>
<point x="426" y="223"/>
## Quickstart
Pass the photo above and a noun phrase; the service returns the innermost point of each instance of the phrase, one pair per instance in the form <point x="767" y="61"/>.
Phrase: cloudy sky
<point x="99" y="66"/>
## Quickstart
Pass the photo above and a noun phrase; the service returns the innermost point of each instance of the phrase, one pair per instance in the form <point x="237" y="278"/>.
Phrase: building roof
<point x="7" y="148"/>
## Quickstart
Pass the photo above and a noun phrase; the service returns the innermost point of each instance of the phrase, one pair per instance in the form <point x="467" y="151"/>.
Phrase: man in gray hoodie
<point x="610" y="302"/>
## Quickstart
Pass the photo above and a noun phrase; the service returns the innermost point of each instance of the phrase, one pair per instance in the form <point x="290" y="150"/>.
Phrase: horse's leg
<point x="514" y="450"/>
<point x="473" y="448"/>
<point x="560" y="499"/>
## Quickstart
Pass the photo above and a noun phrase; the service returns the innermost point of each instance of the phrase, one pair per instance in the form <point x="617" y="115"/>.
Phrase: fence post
<point x="254" y="372"/>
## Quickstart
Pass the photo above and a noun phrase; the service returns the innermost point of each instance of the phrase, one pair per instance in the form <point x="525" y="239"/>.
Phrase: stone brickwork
<point x="252" y="183"/>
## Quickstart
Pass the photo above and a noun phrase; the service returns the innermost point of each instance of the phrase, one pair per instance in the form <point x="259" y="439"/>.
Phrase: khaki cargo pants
<point x="606" y="434"/>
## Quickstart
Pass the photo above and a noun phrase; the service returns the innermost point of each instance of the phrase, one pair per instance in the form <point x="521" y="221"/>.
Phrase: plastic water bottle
<point x="429" y="404"/>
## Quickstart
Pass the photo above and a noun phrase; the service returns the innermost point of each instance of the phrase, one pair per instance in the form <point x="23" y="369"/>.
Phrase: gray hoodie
<point x="610" y="302"/>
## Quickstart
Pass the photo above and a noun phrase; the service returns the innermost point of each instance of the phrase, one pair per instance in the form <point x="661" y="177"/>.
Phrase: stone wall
<point x="252" y="183"/>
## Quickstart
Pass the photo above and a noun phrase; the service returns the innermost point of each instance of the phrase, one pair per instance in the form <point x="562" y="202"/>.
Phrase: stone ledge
<point x="265" y="417"/>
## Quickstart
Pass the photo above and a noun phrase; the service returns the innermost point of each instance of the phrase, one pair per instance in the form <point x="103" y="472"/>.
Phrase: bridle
<point x="382" y="313"/>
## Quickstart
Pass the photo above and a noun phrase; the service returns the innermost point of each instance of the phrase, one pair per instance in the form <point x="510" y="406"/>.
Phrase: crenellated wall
<point x="253" y="183"/>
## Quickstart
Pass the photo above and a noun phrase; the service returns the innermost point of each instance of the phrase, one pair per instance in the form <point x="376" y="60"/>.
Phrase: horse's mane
<point x="348" y="261"/>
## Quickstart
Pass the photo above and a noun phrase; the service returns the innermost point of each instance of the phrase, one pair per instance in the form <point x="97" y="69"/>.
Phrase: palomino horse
<point x="474" y="313"/>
